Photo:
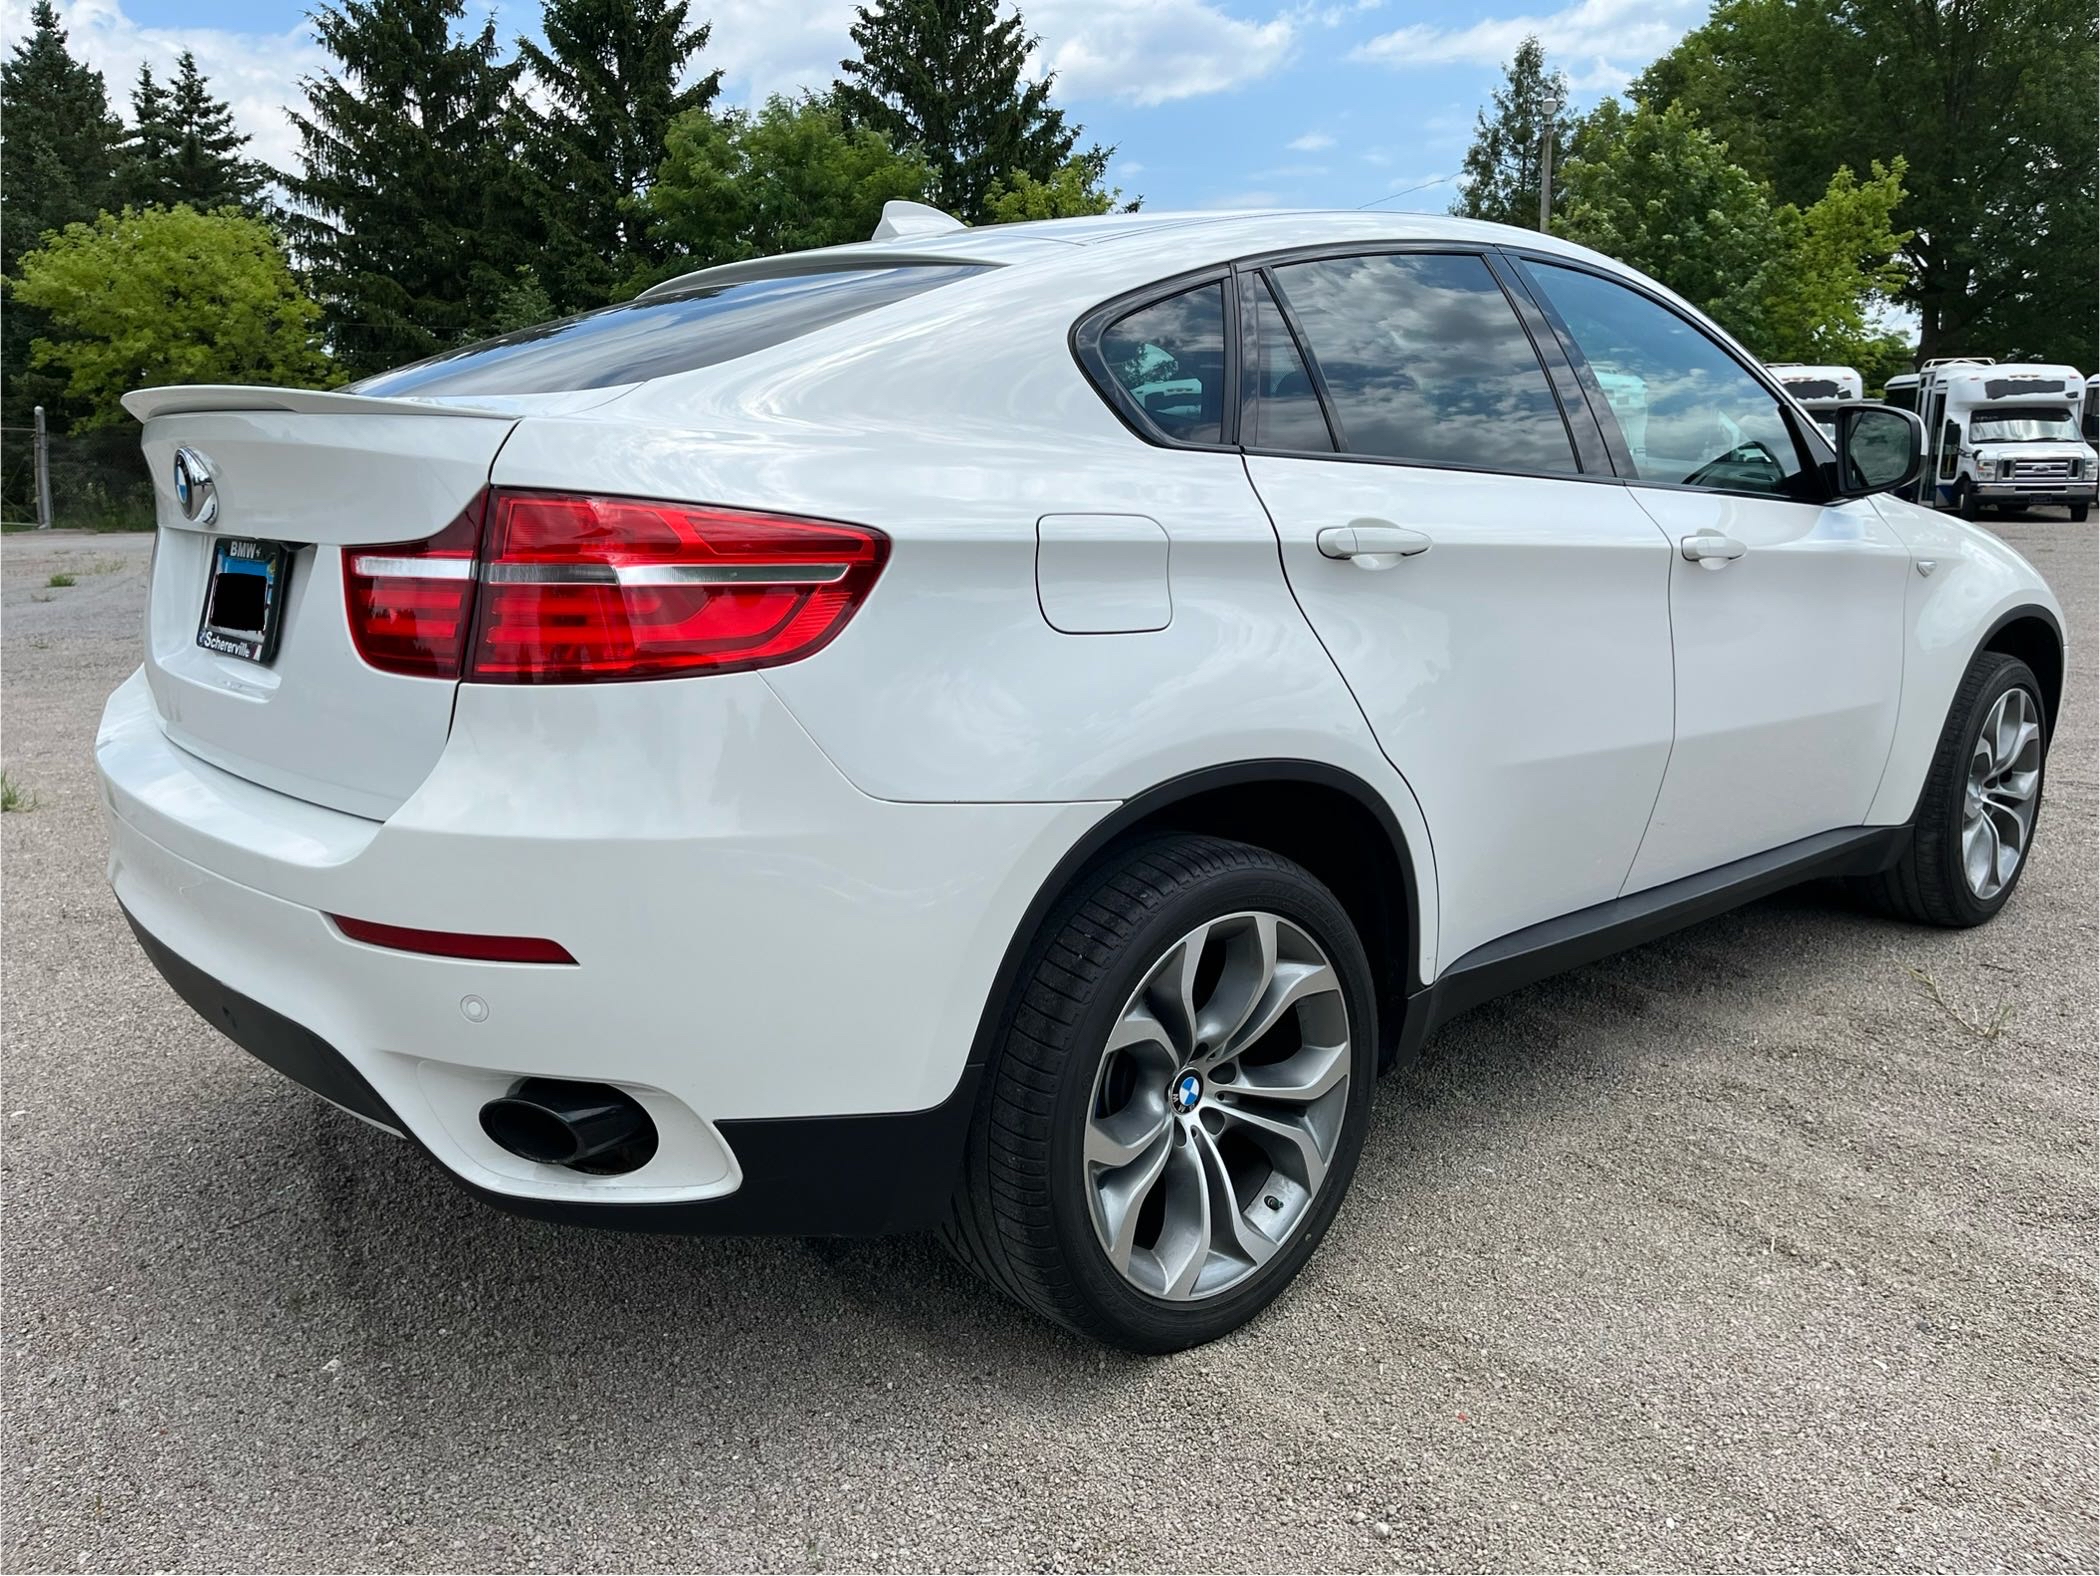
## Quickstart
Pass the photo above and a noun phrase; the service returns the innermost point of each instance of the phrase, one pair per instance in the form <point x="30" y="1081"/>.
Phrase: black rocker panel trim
<point x="1553" y="946"/>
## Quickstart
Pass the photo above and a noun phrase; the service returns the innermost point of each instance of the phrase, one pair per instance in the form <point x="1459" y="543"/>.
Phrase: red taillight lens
<point x="453" y="943"/>
<point x="412" y="603"/>
<point x="579" y="588"/>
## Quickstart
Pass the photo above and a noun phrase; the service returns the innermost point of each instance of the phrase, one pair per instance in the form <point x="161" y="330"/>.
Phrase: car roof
<point x="1154" y="243"/>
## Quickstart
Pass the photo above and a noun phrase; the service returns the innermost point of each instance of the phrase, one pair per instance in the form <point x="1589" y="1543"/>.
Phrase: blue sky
<point x="1209" y="103"/>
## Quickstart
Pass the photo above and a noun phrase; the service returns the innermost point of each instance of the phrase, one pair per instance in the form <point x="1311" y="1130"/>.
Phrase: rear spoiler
<point x="188" y="398"/>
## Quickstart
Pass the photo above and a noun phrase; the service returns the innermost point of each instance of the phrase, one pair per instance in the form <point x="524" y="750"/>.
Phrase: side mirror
<point x="2090" y="426"/>
<point x="1879" y="449"/>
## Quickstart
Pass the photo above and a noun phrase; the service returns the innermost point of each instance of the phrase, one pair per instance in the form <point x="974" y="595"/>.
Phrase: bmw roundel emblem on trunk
<point x="195" y="491"/>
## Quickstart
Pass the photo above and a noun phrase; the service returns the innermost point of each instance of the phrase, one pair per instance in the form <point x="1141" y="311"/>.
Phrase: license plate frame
<point x="240" y="619"/>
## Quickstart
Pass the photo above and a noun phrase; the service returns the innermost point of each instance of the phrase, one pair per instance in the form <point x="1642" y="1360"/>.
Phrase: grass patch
<point x="13" y="796"/>
<point x="60" y="580"/>
<point x="105" y="566"/>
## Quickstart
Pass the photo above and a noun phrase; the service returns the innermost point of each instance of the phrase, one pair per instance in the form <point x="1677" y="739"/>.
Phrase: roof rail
<point x="901" y="218"/>
<point x="1960" y="361"/>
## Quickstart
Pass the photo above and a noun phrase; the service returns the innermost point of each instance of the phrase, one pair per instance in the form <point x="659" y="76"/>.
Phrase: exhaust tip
<point x="588" y="1127"/>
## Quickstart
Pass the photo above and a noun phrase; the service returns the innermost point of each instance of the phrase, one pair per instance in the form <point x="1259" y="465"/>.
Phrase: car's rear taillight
<point x="578" y="588"/>
<point x="562" y="588"/>
<point x="411" y="604"/>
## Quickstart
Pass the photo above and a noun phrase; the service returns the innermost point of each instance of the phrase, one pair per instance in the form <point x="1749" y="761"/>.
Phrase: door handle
<point x="1371" y="544"/>
<point x="1710" y="549"/>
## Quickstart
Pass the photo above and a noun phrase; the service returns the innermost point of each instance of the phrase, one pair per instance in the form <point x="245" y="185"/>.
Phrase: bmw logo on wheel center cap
<point x="1188" y="1089"/>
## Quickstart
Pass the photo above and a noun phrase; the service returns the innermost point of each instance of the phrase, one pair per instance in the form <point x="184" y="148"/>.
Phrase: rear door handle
<point x="1371" y="544"/>
<point x="1710" y="549"/>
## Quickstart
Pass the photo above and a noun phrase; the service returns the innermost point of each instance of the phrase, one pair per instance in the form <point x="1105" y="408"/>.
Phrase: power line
<point x="1404" y="191"/>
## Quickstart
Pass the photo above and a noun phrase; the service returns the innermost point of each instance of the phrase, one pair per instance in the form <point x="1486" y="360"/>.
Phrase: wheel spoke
<point x="1116" y="1141"/>
<point x="1231" y="1231"/>
<point x="1290" y="1142"/>
<point x="1290" y="984"/>
<point x="1979" y="855"/>
<point x="1184" y="1233"/>
<point x="1172" y="990"/>
<point x="1120" y="1199"/>
<point x="1244" y="986"/>
<point x="1300" y="1078"/>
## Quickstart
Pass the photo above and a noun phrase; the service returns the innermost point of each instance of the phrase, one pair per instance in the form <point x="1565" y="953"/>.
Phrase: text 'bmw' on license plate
<point x="244" y="598"/>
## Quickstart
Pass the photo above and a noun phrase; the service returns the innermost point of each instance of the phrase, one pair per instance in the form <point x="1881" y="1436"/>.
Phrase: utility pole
<point x="1552" y="108"/>
<point x="43" y="473"/>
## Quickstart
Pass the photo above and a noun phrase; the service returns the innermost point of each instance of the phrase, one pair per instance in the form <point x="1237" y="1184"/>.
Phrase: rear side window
<point x="1424" y="360"/>
<point x="1285" y="408"/>
<point x="662" y="335"/>
<point x="1169" y="358"/>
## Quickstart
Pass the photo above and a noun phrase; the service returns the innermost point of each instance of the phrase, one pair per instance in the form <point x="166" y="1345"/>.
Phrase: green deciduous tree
<point x="949" y="78"/>
<point x="183" y="146"/>
<point x="168" y="295"/>
<point x="788" y="177"/>
<point x="1075" y="190"/>
<point x="611" y="71"/>
<point x="411" y="213"/>
<point x="1657" y="191"/>
<point x="1989" y="102"/>
<point x="1501" y="173"/>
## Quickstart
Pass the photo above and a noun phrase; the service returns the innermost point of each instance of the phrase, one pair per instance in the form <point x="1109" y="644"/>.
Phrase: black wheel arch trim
<point x="1129" y="814"/>
<point x="2039" y="614"/>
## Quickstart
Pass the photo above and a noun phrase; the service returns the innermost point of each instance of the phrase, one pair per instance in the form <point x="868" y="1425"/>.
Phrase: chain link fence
<point x="96" y="481"/>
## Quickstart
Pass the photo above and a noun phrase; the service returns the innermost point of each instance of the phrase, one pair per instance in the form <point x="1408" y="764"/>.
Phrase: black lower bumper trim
<point x="803" y="1176"/>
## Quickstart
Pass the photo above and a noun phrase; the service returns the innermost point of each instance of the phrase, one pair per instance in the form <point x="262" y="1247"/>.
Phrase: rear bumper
<point x="811" y="1176"/>
<point x="788" y="975"/>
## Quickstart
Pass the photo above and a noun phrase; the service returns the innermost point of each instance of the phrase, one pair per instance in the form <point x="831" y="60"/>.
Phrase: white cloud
<point x="1154" y="51"/>
<point x="1599" y="42"/>
<point x="1311" y="142"/>
<point x="1139" y="51"/>
<point x="256" y="73"/>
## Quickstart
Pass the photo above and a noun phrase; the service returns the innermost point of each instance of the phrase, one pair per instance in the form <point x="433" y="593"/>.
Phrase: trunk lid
<point x="319" y="473"/>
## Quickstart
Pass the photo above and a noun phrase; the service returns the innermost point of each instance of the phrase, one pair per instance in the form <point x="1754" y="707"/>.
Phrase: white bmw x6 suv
<point x="1011" y="731"/>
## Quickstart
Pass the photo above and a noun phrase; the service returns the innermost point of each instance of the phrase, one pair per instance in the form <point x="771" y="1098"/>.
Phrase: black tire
<point x="1021" y="1218"/>
<point x="1927" y="886"/>
<point x="2079" y="511"/>
<point x="1965" y="501"/>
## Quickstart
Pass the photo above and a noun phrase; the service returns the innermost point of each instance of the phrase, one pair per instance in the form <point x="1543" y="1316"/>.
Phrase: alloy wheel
<point x="2005" y="773"/>
<point x="1217" y="1106"/>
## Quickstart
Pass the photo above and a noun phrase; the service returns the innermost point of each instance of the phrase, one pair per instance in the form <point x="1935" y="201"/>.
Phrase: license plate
<point x="244" y="598"/>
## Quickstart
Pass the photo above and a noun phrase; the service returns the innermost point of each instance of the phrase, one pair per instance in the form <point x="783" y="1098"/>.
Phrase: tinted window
<point x="1170" y="359"/>
<point x="1425" y="360"/>
<point x="1286" y="407"/>
<point x="1690" y="414"/>
<point x="659" y="336"/>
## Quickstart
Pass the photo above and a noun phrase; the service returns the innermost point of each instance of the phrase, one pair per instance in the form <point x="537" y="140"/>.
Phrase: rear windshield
<point x="661" y="335"/>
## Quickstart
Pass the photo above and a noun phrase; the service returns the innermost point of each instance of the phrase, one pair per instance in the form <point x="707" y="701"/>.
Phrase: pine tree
<point x="183" y="147"/>
<point x="947" y="77"/>
<point x="1501" y="180"/>
<point x="207" y="167"/>
<point x="611" y="69"/>
<point x="58" y="164"/>
<point x="58" y="156"/>
<point x="145" y="150"/>
<point x="409" y="213"/>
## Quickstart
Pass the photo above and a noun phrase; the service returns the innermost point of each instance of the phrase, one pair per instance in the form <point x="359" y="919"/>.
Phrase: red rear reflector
<point x="583" y="588"/>
<point x="453" y="944"/>
<point x="412" y="603"/>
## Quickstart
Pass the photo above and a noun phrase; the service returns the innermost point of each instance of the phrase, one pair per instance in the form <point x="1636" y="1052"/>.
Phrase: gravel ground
<point x="1770" y="1245"/>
